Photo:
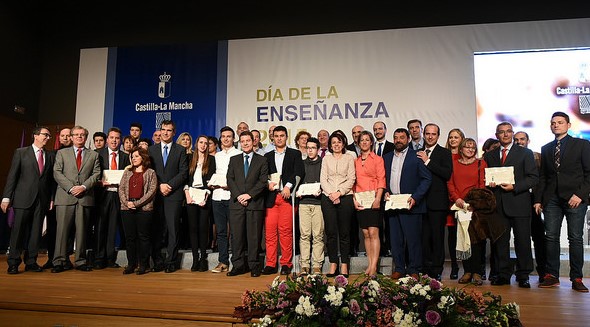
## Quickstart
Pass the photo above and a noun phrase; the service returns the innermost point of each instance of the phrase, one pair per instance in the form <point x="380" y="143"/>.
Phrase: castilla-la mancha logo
<point x="164" y="86"/>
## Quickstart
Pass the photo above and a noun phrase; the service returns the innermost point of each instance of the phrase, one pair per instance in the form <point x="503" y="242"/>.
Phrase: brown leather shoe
<point x="578" y="286"/>
<point x="466" y="278"/>
<point x="397" y="275"/>
<point x="477" y="280"/>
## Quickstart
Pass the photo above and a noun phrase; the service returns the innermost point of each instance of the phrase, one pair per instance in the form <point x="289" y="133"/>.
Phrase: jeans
<point x="221" y="217"/>
<point x="554" y="212"/>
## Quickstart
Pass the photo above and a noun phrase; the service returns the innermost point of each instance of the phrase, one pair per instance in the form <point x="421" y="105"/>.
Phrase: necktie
<point x="79" y="159"/>
<point x="379" y="149"/>
<point x="165" y="156"/>
<point x="40" y="161"/>
<point x="246" y="165"/>
<point x="114" y="161"/>
<point x="427" y="152"/>
<point x="323" y="153"/>
<point x="557" y="154"/>
<point x="504" y="155"/>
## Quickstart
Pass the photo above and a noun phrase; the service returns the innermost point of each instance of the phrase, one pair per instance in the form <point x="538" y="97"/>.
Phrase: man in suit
<point x="382" y="145"/>
<point x="76" y="170"/>
<point x="287" y="163"/>
<point x="170" y="163"/>
<point x="537" y="224"/>
<point x="323" y="136"/>
<point x="563" y="191"/>
<point x="439" y="162"/>
<point x="247" y="178"/>
<point x="242" y="127"/>
<point x="415" y="129"/>
<point x="29" y="190"/>
<point x="513" y="202"/>
<point x="354" y="146"/>
<point x="109" y="219"/>
<point x="405" y="173"/>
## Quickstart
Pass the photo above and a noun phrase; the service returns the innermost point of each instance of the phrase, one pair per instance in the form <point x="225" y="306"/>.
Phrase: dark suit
<point x="109" y="218"/>
<point x="168" y="208"/>
<point x="405" y="227"/>
<point x="515" y="206"/>
<point x="30" y="193"/>
<point x="279" y="223"/>
<point x="555" y="188"/>
<point x="387" y="147"/>
<point x="352" y="148"/>
<point x="384" y="232"/>
<point x="246" y="221"/>
<point x="71" y="209"/>
<point x="437" y="203"/>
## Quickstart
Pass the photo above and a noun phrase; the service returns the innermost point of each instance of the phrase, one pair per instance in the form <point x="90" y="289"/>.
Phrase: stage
<point x="109" y="298"/>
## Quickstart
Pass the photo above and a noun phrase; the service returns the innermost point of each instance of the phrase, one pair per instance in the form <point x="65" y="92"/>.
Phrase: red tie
<point x="40" y="162"/>
<point x="79" y="159"/>
<point x="114" y="161"/>
<point x="504" y="155"/>
<point x="323" y="153"/>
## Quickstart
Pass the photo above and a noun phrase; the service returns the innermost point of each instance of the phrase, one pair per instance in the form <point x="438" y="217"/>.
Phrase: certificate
<point x="198" y="195"/>
<point x="275" y="178"/>
<point x="313" y="189"/>
<point x="398" y="201"/>
<point x="365" y="199"/>
<point x="500" y="175"/>
<point x="112" y="177"/>
<point x="218" y="180"/>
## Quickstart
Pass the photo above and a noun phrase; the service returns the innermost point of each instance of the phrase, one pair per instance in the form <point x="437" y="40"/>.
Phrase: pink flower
<point x="341" y="281"/>
<point x="354" y="307"/>
<point x="432" y="317"/>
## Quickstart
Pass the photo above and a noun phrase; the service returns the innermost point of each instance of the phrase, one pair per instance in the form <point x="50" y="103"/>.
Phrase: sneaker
<point x="317" y="270"/>
<point x="550" y="281"/>
<point x="304" y="271"/>
<point x="221" y="267"/>
<point x="578" y="286"/>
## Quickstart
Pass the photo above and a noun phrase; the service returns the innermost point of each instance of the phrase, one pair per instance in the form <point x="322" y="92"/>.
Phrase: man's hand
<point x="574" y="201"/>
<point x="165" y="189"/>
<point x="5" y="206"/>
<point x="78" y="191"/>
<point x="422" y="155"/>
<point x="271" y="186"/>
<point x="411" y="202"/>
<point x="244" y="198"/>
<point x="538" y="208"/>
<point x="507" y="187"/>
<point x="286" y="193"/>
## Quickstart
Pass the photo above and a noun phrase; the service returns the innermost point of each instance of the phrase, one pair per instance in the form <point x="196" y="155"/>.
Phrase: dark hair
<point x="523" y="132"/>
<point x="195" y="160"/>
<point x="341" y="132"/>
<point x="561" y="114"/>
<point x="213" y="139"/>
<point x="340" y="136"/>
<point x="248" y="133"/>
<point x="433" y="124"/>
<point x="488" y="144"/>
<point x="146" y="140"/>
<point x="227" y="128"/>
<point x="280" y="128"/>
<point x="145" y="157"/>
<point x="114" y="129"/>
<point x="101" y="134"/>
<point x="38" y="129"/>
<point x="371" y="137"/>
<point x="402" y="130"/>
<point x="382" y="122"/>
<point x="138" y="125"/>
<point x="411" y="121"/>
<point x="168" y="122"/>
<point x="314" y="140"/>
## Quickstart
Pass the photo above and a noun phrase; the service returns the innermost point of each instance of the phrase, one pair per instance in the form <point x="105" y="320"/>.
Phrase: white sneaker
<point x="221" y="267"/>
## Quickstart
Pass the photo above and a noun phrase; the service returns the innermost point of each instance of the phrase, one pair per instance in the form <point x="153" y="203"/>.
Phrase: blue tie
<point x="165" y="154"/>
<point x="379" y="150"/>
<point x="246" y="165"/>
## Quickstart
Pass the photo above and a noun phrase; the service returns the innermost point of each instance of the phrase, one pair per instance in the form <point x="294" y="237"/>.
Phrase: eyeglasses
<point x="47" y="135"/>
<point x="508" y="131"/>
<point x="312" y="147"/>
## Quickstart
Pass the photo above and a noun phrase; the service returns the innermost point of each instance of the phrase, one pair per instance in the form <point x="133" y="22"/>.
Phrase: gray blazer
<point x="66" y="175"/>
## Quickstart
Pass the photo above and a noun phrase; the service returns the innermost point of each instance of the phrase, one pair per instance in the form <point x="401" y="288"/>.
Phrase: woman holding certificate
<point x="368" y="190"/>
<point x="337" y="178"/>
<point x="136" y="192"/>
<point x="198" y="202"/>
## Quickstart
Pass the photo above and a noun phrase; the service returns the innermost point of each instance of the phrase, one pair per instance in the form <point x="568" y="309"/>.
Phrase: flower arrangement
<point x="372" y="301"/>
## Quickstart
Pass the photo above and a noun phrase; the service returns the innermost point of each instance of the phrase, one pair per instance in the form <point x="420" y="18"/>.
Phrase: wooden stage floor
<point x="184" y="298"/>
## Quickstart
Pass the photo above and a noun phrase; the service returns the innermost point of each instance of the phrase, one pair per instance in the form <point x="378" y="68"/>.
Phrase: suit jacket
<point x="66" y="175"/>
<point x="352" y="148"/>
<point x="441" y="168"/>
<point x="574" y="171"/>
<point x="255" y="184"/>
<point x="518" y="201"/>
<point x="105" y="159"/>
<point x="175" y="173"/>
<point x="387" y="148"/>
<point x="292" y="166"/>
<point x="24" y="183"/>
<point x="415" y="178"/>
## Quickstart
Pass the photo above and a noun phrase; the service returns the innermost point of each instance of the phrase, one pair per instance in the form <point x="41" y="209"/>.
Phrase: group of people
<point x="399" y="194"/>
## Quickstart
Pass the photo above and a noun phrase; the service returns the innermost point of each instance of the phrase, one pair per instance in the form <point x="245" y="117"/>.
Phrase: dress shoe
<point x="236" y="272"/>
<point x="438" y="277"/>
<point x="477" y="280"/>
<point x="203" y="265"/>
<point x="285" y="270"/>
<point x="304" y="271"/>
<point x="13" y="270"/>
<point x="578" y="286"/>
<point x="195" y="267"/>
<point x="454" y="273"/>
<point x="549" y="281"/>
<point x="99" y="265"/>
<point x="524" y="283"/>
<point x="397" y="275"/>
<point x="68" y="265"/>
<point x="158" y="268"/>
<point x="33" y="267"/>
<point x="141" y="271"/>
<point x="255" y="272"/>
<point x="48" y="265"/>
<point x="500" y="281"/>
<point x="84" y="268"/>
<point x="268" y="270"/>
<point x="466" y="278"/>
<point x="129" y="270"/>
<point x="317" y="270"/>
<point x="170" y="269"/>
<point x="113" y="265"/>
<point x="334" y="274"/>
<point x="57" y="269"/>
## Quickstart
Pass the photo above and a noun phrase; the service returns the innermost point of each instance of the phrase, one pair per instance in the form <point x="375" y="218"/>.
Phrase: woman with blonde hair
<point x="186" y="141"/>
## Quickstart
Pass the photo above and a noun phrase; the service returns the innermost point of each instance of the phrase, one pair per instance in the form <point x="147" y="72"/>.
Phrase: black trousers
<point x="198" y="229"/>
<point x="246" y="234"/>
<point x="165" y="230"/>
<point x="137" y="226"/>
<point x="433" y="241"/>
<point x="26" y="234"/>
<point x="337" y="223"/>
<point x="107" y="225"/>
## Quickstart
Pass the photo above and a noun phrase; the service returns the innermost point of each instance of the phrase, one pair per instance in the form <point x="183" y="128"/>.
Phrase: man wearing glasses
<point x="29" y="191"/>
<point x="513" y="202"/>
